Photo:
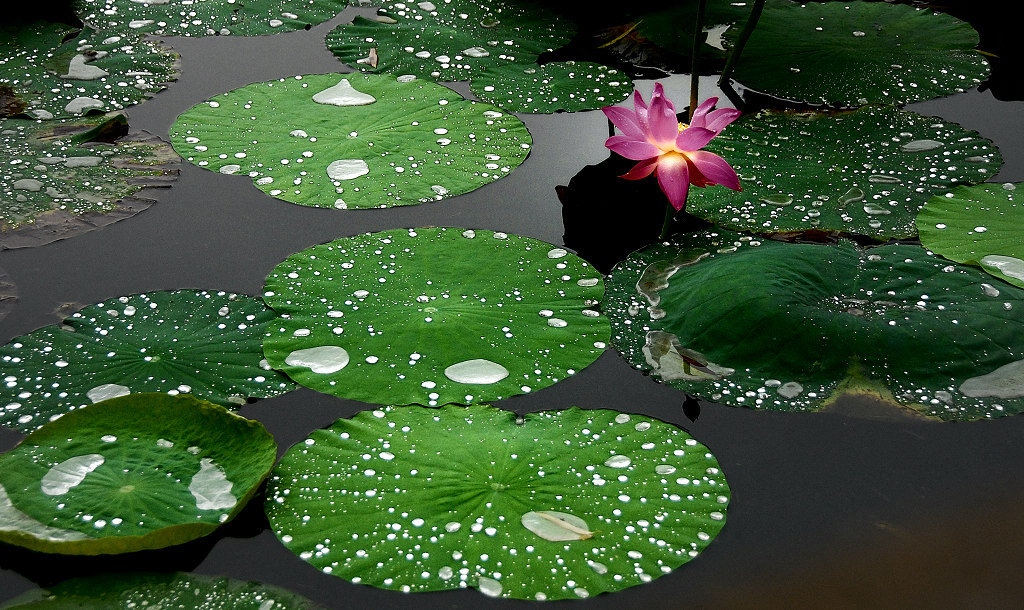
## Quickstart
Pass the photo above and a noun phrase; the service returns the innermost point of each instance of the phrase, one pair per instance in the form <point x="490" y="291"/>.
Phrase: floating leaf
<point x="60" y="71"/>
<point x="353" y="140"/>
<point x="417" y="499"/>
<point x="181" y="342"/>
<point x="778" y="326"/>
<point x="977" y="225"/>
<point x="152" y="590"/>
<point x="569" y="86"/>
<point x="856" y="53"/>
<point x="433" y="316"/>
<point x="137" y="472"/>
<point x="59" y="182"/>
<point x="451" y="42"/>
<point x="865" y="172"/>
<point x="207" y="17"/>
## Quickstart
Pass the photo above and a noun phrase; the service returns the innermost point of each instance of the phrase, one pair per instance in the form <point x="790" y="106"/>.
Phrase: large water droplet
<point x="68" y="474"/>
<point x="921" y="145"/>
<point x="107" y="390"/>
<point x="1007" y="265"/>
<point x="347" y="169"/>
<point x="618" y="461"/>
<point x="324" y="359"/>
<point x="211" y="487"/>
<point x="489" y="586"/>
<point x="477" y="371"/>
<point x="343" y="94"/>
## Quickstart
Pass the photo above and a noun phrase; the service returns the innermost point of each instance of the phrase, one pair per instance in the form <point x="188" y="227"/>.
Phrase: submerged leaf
<point x="415" y="499"/>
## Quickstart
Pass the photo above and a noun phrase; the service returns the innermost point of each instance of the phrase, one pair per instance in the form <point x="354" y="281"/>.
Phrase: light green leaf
<point x="181" y="342"/>
<point x="433" y="316"/>
<point x="352" y="140"/>
<point x="416" y="499"/>
<point x="790" y="327"/>
<point x="978" y="225"/>
<point x="138" y="472"/>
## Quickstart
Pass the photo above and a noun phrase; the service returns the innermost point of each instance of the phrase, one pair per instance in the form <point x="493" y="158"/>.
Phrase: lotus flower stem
<point x="737" y="50"/>
<point x="698" y="43"/>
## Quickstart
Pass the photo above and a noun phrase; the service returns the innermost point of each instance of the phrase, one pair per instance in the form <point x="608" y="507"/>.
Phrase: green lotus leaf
<point x="60" y="71"/>
<point x="865" y="172"/>
<point x="59" y="182"/>
<point x="790" y="327"/>
<point x="449" y="41"/>
<point x="433" y="316"/>
<point x="207" y="17"/>
<point x="552" y="505"/>
<point x="977" y="225"/>
<point x="856" y="53"/>
<point x="155" y="590"/>
<point x="208" y="344"/>
<point x="571" y="86"/>
<point x="137" y="472"/>
<point x="353" y="140"/>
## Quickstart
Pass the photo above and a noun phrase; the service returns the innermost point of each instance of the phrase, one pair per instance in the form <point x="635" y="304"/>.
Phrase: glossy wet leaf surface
<point x="865" y="172"/>
<point x="136" y="472"/>
<point x="92" y="71"/>
<point x="449" y="41"/>
<point x="557" y="86"/>
<point x="353" y="140"/>
<point x="856" y="53"/>
<point x="416" y="499"/>
<point x="181" y="342"/>
<point x="207" y="17"/>
<point x="978" y="225"/>
<point x="56" y="186"/>
<point x="777" y="326"/>
<point x="433" y="316"/>
<point x="160" y="590"/>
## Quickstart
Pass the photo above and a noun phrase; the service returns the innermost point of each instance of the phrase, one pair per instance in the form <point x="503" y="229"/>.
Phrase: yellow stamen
<point x="682" y="126"/>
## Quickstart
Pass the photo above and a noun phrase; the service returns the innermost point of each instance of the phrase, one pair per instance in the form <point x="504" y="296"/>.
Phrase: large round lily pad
<point x="570" y="86"/>
<point x="865" y="172"/>
<point x="158" y="590"/>
<point x="60" y="71"/>
<point x="207" y="17"/>
<point x="60" y="181"/>
<point x="555" y="505"/>
<point x="777" y="326"/>
<point x="208" y="344"/>
<point x="137" y="472"/>
<point x="449" y="41"/>
<point x="856" y="53"/>
<point x="353" y="140"/>
<point x="978" y="225"/>
<point x="433" y="316"/>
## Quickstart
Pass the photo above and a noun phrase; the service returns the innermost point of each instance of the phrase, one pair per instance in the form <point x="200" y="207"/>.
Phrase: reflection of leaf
<point x="416" y="499"/>
<point x="188" y="342"/>
<point x="865" y="172"/>
<point x="792" y="326"/>
<point x="555" y="86"/>
<point x="66" y="177"/>
<point x="353" y="140"/>
<point x="856" y="53"/>
<point x="160" y="590"/>
<point x="978" y="225"/>
<point x="433" y="316"/>
<point x="90" y="71"/>
<point x="137" y="472"/>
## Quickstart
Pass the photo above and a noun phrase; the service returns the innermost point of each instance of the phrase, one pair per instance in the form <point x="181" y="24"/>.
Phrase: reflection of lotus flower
<point x="671" y="150"/>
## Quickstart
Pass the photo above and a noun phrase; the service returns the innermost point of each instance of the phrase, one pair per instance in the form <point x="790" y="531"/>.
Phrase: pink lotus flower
<point x="671" y="150"/>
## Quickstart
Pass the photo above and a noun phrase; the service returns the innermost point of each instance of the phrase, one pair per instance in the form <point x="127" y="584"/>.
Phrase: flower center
<point x="682" y="126"/>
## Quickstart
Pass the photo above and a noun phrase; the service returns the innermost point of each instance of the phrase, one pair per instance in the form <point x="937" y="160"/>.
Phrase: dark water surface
<point x="861" y="505"/>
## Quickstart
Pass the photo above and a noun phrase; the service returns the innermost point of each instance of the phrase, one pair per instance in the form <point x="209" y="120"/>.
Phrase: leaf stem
<point x="698" y="41"/>
<point x="667" y="223"/>
<point x="737" y="50"/>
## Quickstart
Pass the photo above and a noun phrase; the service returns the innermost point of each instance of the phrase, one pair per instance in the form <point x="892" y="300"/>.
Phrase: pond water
<point x="859" y="505"/>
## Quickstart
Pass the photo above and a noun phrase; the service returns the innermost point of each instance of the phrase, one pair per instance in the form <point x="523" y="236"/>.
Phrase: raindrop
<point x="477" y="371"/>
<point x="347" y="169"/>
<point x="343" y="94"/>
<point x="921" y="145"/>
<point x="618" y="461"/>
<point x="324" y="359"/>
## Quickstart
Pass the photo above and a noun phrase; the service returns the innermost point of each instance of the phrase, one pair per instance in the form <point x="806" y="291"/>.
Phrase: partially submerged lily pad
<point x="978" y="225"/>
<point x="208" y="344"/>
<point x="855" y="53"/>
<point x="451" y="40"/>
<point x="60" y="72"/>
<point x="433" y="316"/>
<point x="137" y="472"/>
<point x="353" y="140"/>
<point x="570" y="86"/>
<point x="8" y="294"/>
<point x="60" y="182"/>
<point x="789" y="327"/>
<point x="556" y="505"/>
<point x="865" y="172"/>
<point x="207" y="17"/>
<point x="159" y="590"/>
